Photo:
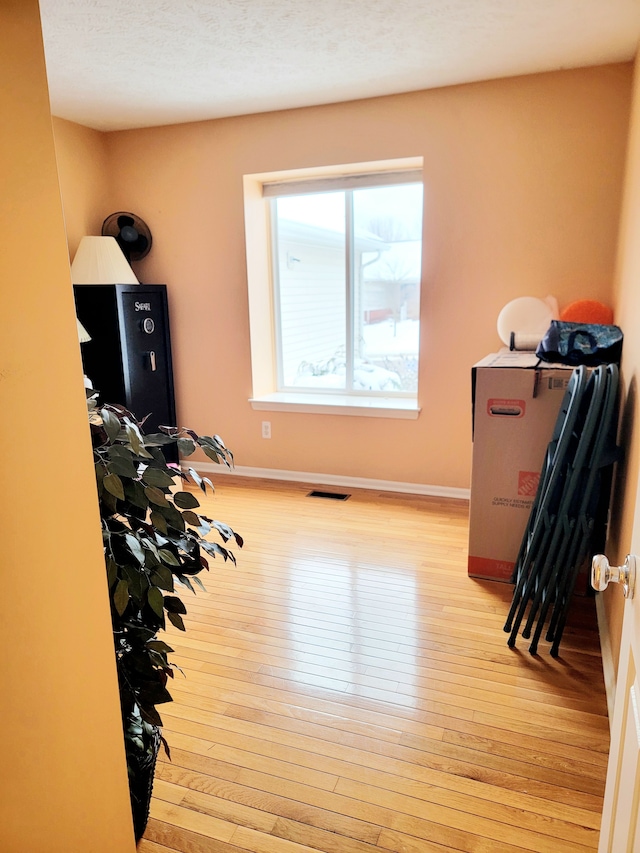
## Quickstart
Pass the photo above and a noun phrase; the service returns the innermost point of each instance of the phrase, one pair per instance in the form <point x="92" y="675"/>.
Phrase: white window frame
<point x="259" y="191"/>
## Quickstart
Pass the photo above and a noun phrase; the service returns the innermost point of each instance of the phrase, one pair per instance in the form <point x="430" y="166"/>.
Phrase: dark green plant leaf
<point x="215" y="449"/>
<point x="152" y="558"/>
<point x="173" y="604"/>
<point x="176" y="620"/>
<point x="197" y="479"/>
<point x="189" y="568"/>
<point x="186" y="446"/>
<point x="112" y="571"/>
<point x="123" y="468"/>
<point x="185" y="582"/>
<point x="186" y="541"/>
<point x="107" y="502"/>
<point x="197" y="580"/>
<point x="205" y="527"/>
<point x="170" y="430"/>
<point x="185" y="500"/>
<point x="156" y="477"/>
<point x="162" y="577"/>
<point x="173" y="517"/>
<point x="159" y="522"/>
<point x="150" y="715"/>
<point x="134" y="493"/>
<point x="154" y="692"/>
<point x="156" y="496"/>
<point x="134" y="437"/>
<point x="155" y="599"/>
<point x="135" y="547"/>
<point x="191" y="518"/>
<point x="118" y="451"/>
<point x="224" y="530"/>
<point x="137" y="581"/>
<point x="213" y="454"/>
<point x="113" y="484"/>
<point x="159" y="646"/>
<point x="111" y="424"/>
<point x="167" y="557"/>
<point x="227" y="533"/>
<point x="158" y="660"/>
<point x="165" y="746"/>
<point x="142" y="632"/>
<point x="213" y="548"/>
<point x="138" y="742"/>
<point x="158" y="458"/>
<point x="121" y="597"/>
<point x="157" y="439"/>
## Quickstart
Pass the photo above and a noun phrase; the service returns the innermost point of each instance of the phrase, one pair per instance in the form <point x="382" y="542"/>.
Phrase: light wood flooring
<point x="348" y="689"/>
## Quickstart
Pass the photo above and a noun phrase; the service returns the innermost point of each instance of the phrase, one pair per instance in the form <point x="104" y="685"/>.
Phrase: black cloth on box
<point x="581" y="343"/>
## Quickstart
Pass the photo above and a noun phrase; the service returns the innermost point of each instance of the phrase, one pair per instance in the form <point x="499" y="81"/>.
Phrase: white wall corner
<point x="608" y="668"/>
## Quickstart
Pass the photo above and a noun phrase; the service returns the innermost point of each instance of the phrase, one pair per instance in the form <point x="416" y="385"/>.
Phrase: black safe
<point x="128" y="358"/>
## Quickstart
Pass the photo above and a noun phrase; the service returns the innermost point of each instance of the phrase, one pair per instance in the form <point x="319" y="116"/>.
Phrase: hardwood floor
<point x="349" y="689"/>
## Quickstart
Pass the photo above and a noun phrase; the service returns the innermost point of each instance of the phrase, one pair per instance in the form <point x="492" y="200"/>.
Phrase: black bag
<point x="581" y="343"/>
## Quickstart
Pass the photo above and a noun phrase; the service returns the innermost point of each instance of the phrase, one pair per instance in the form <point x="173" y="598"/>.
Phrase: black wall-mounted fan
<point x="132" y="234"/>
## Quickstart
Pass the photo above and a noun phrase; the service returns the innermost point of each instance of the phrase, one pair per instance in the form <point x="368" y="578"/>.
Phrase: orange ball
<point x="587" y="311"/>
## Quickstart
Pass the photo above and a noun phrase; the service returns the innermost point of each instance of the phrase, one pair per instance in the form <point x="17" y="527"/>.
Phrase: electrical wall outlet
<point x="266" y="429"/>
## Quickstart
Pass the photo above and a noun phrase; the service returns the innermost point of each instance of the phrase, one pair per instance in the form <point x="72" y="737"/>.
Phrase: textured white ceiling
<point x="116" y="64"/>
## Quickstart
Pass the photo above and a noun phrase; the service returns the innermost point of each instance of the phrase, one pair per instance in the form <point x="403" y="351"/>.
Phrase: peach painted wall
<point x="84" y="179"/>
<point x="522" y="185"/>
<point x="627" y="315"/>
<point x="63" y="778"/>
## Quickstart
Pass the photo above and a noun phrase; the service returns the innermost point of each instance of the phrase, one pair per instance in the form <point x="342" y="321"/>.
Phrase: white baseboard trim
<point x="331" y="480"/>
<point x="607" y="656"/>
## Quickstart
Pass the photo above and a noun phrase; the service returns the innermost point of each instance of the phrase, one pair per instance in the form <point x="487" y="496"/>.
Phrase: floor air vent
<point x="332" y="496"/>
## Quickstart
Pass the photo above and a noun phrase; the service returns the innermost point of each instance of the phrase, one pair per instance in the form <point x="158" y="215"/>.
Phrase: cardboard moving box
<point x="516" y="399"/>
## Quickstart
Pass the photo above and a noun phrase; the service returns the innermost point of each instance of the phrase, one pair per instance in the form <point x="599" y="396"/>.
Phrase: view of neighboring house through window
<point x="347" y="285"/>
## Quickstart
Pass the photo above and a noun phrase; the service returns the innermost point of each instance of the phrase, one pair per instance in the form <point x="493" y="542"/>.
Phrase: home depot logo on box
<point x="528" y="483"/>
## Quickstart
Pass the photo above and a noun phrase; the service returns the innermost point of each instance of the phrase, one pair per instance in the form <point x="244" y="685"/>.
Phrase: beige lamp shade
<point x="83" y="336"/>
<point x="99" y="260"/>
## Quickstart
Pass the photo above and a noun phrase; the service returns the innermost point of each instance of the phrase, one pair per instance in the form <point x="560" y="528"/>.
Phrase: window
<point x="344" y="287"/>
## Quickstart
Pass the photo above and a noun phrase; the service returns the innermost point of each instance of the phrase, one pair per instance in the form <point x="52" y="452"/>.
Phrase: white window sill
<point x="337" y="404"/>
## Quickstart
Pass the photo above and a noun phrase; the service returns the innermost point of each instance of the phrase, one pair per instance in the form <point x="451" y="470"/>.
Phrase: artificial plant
<point x="153" y="538"/>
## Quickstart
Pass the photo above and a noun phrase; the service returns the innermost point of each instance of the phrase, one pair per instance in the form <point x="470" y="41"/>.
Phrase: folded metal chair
<point x="568" y="511"/>
<point x="537" y="534"/>
<point x="568" y="520"/>
<point x="589" y="533"/>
